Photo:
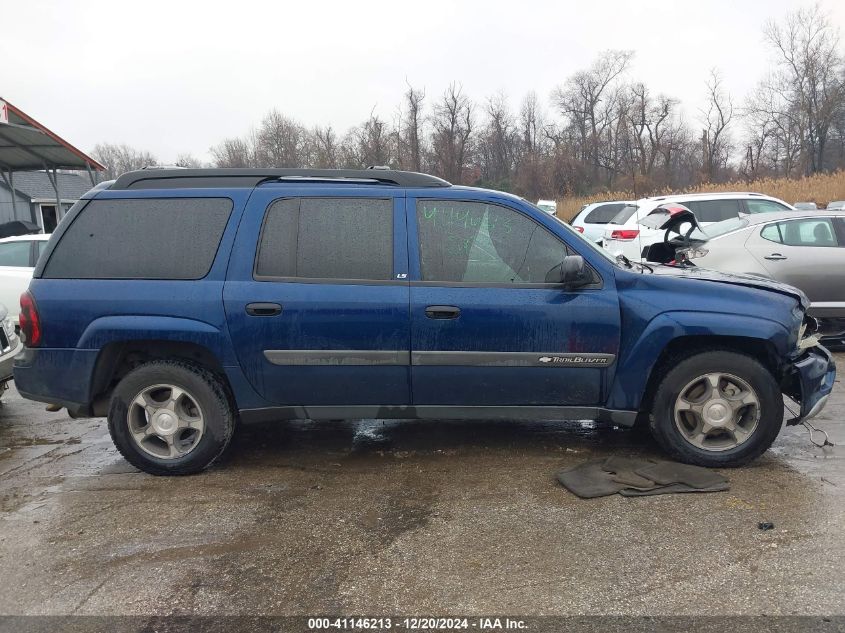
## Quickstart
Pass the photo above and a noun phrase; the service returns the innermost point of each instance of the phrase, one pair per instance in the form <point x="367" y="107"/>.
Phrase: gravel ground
<point x="387" y="517"/>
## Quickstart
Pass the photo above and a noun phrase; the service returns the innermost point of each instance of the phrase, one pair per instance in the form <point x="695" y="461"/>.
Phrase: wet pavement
<point x="427" y="518"/>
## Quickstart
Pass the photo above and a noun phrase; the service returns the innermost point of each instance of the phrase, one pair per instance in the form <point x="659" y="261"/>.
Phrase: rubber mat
<point x="632" y="477"/>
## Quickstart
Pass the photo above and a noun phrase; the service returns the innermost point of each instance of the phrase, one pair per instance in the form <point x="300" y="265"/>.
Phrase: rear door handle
<point x="442" y="312"/>
<point x="775" y="256"/>
<point x="263" y="309"/>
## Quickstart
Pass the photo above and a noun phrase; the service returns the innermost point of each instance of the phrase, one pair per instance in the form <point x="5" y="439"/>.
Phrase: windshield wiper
<point x="624" y="260"/>
<point x="646" y="266"/>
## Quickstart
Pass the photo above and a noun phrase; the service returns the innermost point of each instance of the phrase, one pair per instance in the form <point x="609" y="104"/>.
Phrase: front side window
<point x="327" y="238"/>
<point x="145" y="238"/>
<point x="14" y="254"/>
<point x="462" y="241"/>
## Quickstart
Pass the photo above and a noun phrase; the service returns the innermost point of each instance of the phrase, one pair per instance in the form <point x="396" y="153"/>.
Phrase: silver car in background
<point x="802" y="249"/>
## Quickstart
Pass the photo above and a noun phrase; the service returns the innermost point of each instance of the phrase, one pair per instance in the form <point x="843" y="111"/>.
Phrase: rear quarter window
<point x="174" y="238"/>
<point x="624" y="214"/>
<point x="603" y="214"/>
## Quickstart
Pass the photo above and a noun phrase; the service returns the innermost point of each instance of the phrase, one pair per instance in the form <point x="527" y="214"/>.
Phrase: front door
<point x="486" y="328"/>
<point x="319" y="313"/>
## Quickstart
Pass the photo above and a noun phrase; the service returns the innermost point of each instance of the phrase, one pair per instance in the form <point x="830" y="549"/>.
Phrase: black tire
<point x="662" y="420"/>
<point x="204" y="388"/>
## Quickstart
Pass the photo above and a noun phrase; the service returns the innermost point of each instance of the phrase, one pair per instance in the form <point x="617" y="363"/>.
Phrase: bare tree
<point x="325" y="152"/>
<point x="498" y="146"/>
<point x="411" y="137"/>
<point x="281" y="142"/>
<point x="235" y="152"/>
<point x="453" y="125"/>
<point x="810" y="79"/>
<point x="121" y="158"/>
<point x="580" y="101"/>
<point x="368" y="144"/>
<point x="715" y="137"/>
<point x="530" y="123"/>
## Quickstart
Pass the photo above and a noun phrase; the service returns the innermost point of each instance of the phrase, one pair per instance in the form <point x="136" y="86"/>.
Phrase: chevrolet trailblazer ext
<point x="178" y="302"/>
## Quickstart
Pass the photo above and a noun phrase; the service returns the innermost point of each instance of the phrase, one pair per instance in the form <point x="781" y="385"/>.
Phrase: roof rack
<point x="248" y="177"/>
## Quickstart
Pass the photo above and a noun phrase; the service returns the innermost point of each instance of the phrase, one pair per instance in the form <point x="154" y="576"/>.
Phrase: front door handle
<point x="775" y="256"/>
<point x="263" y="309"/>
<point x="442" y="312"/>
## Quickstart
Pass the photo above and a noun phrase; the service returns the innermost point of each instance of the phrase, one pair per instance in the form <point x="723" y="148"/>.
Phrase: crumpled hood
<point x="737" y="279"/>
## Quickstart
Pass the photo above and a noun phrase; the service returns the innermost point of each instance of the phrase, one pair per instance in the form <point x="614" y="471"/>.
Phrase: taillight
<point x="580" y="229"/>
<point x="624" y="234"/>
<point x="29" y="321"/>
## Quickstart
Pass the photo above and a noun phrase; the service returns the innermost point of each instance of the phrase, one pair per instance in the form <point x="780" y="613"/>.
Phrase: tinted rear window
<point x="175" y="238"/>
<point x="327" y="238"/>
<point x="604" y="213"/>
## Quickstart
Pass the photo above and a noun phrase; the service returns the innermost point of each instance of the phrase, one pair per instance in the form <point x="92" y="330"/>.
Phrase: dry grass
<point x="821" y="189"/>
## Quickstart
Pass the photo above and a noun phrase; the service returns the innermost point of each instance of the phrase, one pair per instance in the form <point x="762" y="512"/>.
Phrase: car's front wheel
<point x="170" y="418"/>
<point x="717" y="408"/>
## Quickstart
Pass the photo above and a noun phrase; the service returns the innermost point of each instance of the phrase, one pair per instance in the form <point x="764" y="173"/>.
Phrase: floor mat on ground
<point x="633" y="477"/>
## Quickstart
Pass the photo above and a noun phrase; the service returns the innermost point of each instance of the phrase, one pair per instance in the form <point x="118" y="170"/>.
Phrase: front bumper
<point x="811" y="376"/>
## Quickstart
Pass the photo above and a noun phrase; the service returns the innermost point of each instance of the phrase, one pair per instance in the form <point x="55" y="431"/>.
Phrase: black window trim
<point x="837" y="232"/>
<point x="38" y="273"/>
<point x="596" y="285"/>
<point x="329" y="280"/>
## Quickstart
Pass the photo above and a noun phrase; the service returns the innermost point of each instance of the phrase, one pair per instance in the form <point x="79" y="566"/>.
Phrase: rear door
<point x="486" y="329"/>
<point x="808" y="253"/>
<point x="317" y="295"/>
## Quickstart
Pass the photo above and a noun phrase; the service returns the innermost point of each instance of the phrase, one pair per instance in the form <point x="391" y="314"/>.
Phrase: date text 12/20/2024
<point x="416" y="624"/>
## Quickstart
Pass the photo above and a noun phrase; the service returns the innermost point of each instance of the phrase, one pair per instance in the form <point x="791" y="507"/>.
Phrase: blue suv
<point x="182" y="302"/>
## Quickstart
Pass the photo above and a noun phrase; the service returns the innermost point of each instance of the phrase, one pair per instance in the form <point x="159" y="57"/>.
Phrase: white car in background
<point x="625" y="235"/>
<point x="18" y="256"/>
<point x="10" y="346"/>
<point x="592" y="218"/>
<point x="549" y="206"/>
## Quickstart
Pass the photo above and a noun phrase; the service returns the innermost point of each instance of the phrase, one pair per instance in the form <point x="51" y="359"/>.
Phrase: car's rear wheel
<point x="717" y="408"/>
<point x="170" y="418"/>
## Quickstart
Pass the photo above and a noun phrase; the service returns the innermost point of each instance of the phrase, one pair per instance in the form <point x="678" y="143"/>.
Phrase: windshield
<point x="588" y="242"/>
<point x="624" y="215"/>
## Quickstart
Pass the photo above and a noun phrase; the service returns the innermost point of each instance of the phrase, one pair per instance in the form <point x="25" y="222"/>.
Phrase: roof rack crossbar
<point x="248" y="177"/>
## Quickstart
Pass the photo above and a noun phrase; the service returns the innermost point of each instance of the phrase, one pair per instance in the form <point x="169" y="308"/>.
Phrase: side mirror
<point x="571" y="271"/>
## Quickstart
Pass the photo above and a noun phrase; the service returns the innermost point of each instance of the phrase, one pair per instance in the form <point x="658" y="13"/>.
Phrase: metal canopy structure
<point x="27" y="145"/>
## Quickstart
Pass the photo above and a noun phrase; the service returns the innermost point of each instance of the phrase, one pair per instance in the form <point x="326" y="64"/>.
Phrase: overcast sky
<point x="177" y="77"/>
